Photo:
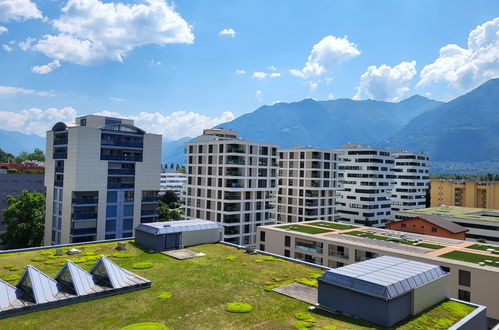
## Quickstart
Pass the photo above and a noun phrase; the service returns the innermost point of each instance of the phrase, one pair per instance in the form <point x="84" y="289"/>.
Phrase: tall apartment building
<point x="231" y="181"/>
<point x="307" y="185"/>
<point x="173" y="180"/>
<point x="102" y="179"/>
<point x="475" y="194"/>
<point x="366" y="177"/>
<point x="411" y="182"/>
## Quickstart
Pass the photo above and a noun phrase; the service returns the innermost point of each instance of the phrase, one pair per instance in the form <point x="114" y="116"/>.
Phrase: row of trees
<point x="168" y="207"/>
<point x="177" y="167"/>
<point x="469" y="177"/>
<point x="37" y="155"/>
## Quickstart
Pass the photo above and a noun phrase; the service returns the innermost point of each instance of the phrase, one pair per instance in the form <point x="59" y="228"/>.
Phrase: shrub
<point x="303" y="324"/>
<point x="315" y="275"/>
<point x="13" y="269"/>
<point x="8" y="266"/>
<point x="142" y="265"/>
<point x="37" y="259"/>
<point x="238" y="307"/>
<point x="11" y="278"/>
<point x="481" y="240"/>
<point x="268" y="282"/>
<point x="122" y="255"/>
<point x="258" y="260"/>
<point x="49" y="262"/>
<point x="231" y="258"/>
<point x="165" y="295"/>
<point x="277" y="279"/>
<point x="308" y="282"/>
<point x="269" y="288"/>
<point x="145" y="326"/>
<point x="302" y="316"/>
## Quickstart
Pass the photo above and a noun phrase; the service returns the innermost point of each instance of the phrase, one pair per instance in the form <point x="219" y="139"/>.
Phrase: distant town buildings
<point x="175" y="181"/>
<point x="476" y="194"/>
<point x="307" y="184"/>
<point x="102" y="179"/>
<point x="231" y="181"/>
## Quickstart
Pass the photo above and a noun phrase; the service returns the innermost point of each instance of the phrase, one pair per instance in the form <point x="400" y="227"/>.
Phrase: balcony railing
<point x="338" y="254"/>
<point x="122" y="144"/>
<point x="235" y="174"/>
<point x="150" y="199"/>
<point x="84" y="231"/>
<point x="60" y="155"/>
<point x="59" y="142"/>
<point x="120" y="171"/>
<point x="229" y="196"/>
<point x="85" y="201"/>
<point x="236" y="150"/>
<point x="58" y="183"/>
<point x="150" y="213"/>
<point x="235" y="162"/>
<point x="127" y="158"/>
<point x="306" y="248"/>
<point x="59" y="169"/>
<point x="234" y="185"/>
<point x="84" y="216"/>
<point x="118" y="185"/>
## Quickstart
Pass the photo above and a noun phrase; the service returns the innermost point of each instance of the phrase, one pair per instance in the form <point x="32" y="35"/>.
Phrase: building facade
<point x="307" y="185"/>
<point x="174" y="181"/>
<point x="475" y="194"/>
<point x="432" y="225"/>
<point x="366" y="179"/>
<point x="231" y="181"/>
<point x="102" y="178"/>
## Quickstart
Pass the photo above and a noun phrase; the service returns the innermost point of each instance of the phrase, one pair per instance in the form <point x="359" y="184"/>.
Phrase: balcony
<point x="234" y="185"/>
<point x="230" y="208"/>
<point x="60" y="155"/>
<point x="308" y="248"/>
<point x="235" y="162"/>
<point x="119" y="185"/>
<point x="234" y="173"/>
<point x="150" y="200"/>
<point x="58" y="183"/>
<point x="61" y="141"/>
<point x="338" y="254"/>
<point x="84" y="232"/>
<point x="232" y="196"/>
<point x="85" y="201"/>
<point x="149" y="213"/>
<point x="125" y="144"/>
<point x="59" y="169"/>
<point x="313" y="195"/>
<point x="231" y="231"/>
<point x="232" y="219"/>
<point x="120" y="171"/>
<point x="236" y="150"/>
<point x="84" y="216"/>
<point x="125" y="158"/>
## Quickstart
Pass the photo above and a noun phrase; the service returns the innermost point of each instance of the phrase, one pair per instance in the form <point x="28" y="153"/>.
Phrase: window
<point x="127" y="224"/>
<point x="445" y="269"/>
<point x="287" y="241"/>
<point x="128" y="210"/>
<point x="262" y="236"/>
<point x="433" y="229"/>
<point x="110" y="225"/>
<point x="403" y="225"/>
<point x="111" y="211"/>
<point x="112" y="196"/>
<point x="464" y="278"/>
<point x="463" y="295"/>
<point x="286" y="253"/>
<point x="262" y="247"/>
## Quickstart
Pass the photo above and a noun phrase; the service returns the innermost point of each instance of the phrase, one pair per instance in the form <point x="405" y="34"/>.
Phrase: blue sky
<point x="168" y="65"/>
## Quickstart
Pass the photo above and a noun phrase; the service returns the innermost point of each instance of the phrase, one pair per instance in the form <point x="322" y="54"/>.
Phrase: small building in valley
<point x="433" y="225"/>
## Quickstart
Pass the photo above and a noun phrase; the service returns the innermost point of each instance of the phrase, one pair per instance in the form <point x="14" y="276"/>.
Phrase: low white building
<point x="175" y="181"/>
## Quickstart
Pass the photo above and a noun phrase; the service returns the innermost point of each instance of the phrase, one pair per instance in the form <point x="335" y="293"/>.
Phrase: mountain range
<point x="461" y="135"/>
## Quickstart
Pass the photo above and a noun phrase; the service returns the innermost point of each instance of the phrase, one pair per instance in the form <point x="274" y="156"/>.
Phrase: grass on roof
<point x="305" y="229"/>
<point x="392" y="239"/>
<point x="332" y="225"/>
<point x="441" y="316"/>
<point x="471" y="257"/>
<point x="483" y="247"/>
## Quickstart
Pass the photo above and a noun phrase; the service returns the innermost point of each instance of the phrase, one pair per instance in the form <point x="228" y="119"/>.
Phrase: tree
<point x="171" y="166"/>
<point x="24" y="219"/>
<point x="165" y="214"/>
<point x="5" y="157"/>
<point x="367" y="222"/>
<point x="170" y="198"/>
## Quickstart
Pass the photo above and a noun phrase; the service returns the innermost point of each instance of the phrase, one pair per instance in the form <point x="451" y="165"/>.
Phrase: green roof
<point x="194" y="292"/>
<point x="457" y="212"/>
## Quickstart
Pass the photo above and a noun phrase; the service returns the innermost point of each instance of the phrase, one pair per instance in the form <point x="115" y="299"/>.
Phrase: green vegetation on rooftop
<point x="457" y="212"/>
<point x="472" y="257"/>
<point x="441" y="316"/>
<point x="483" y="247"/>
<point x="304" y="229"/>
<point x="332" y="225"/>
<point x="392" y="239"/>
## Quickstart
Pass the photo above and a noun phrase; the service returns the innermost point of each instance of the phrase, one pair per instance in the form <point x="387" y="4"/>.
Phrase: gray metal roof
<point x="118" y="277"/>
<point x="386" y="277"/>
<point x="81" y="280"/>
<point x="9" y="296"/>
<point x="167" y="227"/>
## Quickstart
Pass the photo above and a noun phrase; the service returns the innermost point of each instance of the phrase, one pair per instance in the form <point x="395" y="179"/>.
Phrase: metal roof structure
<point x="167" y="227"/>
<point x="72" y="282"/>
<point x="385" y="277"/>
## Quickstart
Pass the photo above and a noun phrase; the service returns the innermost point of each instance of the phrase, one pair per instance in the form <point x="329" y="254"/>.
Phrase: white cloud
<point x="271" y="68"/>
<point x="3" y="29"/>
<point x="116" y="99"/>
<point x="465" y="68"/>
<point x="175" y="125"/>
<point x="11" y="91"/>
<point x="326" y="53"/>
<point x="386" y="83"/>
<point x="275" y="75"/>
<point x="259" y="75"/>
<point x="25" y="45"/>
<point x="154" y="63"/>
<point x="312" y="85"/>
<point x="276" y="101"/>
<point x="47" y="68"/>
<point x="259" y="94"/>
<point x="330" y="96"/>
<point x="239" y="71"/>
<point x="228" y="32"/>
<point x="18" y="10"/>
<point x="34" y="120"/>
<point x="91" y="30"/>
<point x="7" y="48"/>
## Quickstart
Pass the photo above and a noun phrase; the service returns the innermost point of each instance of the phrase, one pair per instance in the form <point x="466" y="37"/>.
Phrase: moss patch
<point x="230" y="258"/>
<point x="302" y="316"/>
<point x="11" y="278"/>
<point x="303" y="325"/>
<point x="49" y="262"/>
<point x="122" y="255"/>
<point x="305" y="229"/>
<point x="165" y="295"/>
<point x="238" y="307"/>
<point x="142" y="265"/>
<point x="145" y="326"/>
<point x="37" y="259"/>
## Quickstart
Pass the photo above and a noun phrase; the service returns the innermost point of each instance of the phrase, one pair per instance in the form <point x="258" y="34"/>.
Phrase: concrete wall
<point x="429" y="294"/>
<point x="195" y="237"/>
<point x="150" y="241"/>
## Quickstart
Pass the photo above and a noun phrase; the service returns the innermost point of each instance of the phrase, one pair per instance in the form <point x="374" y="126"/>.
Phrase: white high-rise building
<point x="231" y="181"/>
<point x="367" y="178"/>
<point x="174" y="181"/>
<point x="411" y="182"/>
<point x="307" y="184"/>
<point x="102" y="179"/>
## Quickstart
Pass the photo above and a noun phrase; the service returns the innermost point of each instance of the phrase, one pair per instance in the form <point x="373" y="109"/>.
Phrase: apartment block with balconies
<point x="307" y="185"/>
<point x="231" y="181"/>
<point x="102" y="179"/>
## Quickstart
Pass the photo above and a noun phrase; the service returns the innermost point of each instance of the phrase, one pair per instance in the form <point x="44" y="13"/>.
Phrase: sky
<point x="178" y="67"/>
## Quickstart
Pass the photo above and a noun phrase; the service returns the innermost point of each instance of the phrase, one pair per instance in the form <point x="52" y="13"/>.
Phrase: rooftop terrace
<point x="198" y="288"/>
<point x="460" y="212"/>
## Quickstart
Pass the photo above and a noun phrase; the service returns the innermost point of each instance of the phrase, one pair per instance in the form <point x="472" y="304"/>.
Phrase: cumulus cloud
<point x="312" y="85"/>
<point x="7" y="48"/>
<point x="34" y="120"/>
<point x="116" y="99"/>
<point x="47" y="68"/>
<point x="271" y="68"/>
<point x="228" y="32"/>
<point x="465" y="68"/>
<point x="18" y="10"/>
<point x="274" y="75"/>
<point x="153" y="63"/>
<point x="386" y="83"/>
<point x="91" y="30"/>
<point x="11" y="91"/>
<point x="239" y="71"/>
<point x="326" y="53"/>
<point x="3" y="29"/>
<point x="259" y="94"/>
<point x="259" y="75"/>
<point x="25" y="45"/>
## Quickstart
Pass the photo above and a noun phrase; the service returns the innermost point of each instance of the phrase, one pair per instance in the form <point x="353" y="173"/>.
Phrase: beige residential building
<point x="307" y="184"/>
<point x="102" y="178"/>
<point x="231" y="181"/>
<point x="474" y="269"/>
<point x="477" y="194"/>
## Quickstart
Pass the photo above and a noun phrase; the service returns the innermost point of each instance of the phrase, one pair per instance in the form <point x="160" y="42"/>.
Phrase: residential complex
<point x="476" y="194"/>
<point x="175" y="181"/>
<point x="102" y="178"/>
<point x="473" y="268"/>
<point x="367" y="178"/>
<point x="481" y="223"/>
<point x="307" y="184"/>
<point x="231" y="181"/>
